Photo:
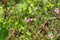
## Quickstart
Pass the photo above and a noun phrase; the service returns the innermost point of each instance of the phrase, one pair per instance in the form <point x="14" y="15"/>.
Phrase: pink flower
<point x="28" y="19"/>
<point x="31" y="19"/>
<point x="56" y="11"/>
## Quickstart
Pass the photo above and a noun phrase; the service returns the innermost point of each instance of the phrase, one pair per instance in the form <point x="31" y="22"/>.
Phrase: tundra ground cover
<point x="29" y="19"/>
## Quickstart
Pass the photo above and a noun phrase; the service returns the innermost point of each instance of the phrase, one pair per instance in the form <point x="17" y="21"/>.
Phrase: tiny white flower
<point x="51" y="36"/>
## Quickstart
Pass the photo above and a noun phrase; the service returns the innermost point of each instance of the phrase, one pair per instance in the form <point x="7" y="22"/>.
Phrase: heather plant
<point x="29" y="19"/>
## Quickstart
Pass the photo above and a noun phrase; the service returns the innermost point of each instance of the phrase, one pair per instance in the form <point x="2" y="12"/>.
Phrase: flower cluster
<point x="28" y="19"/>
